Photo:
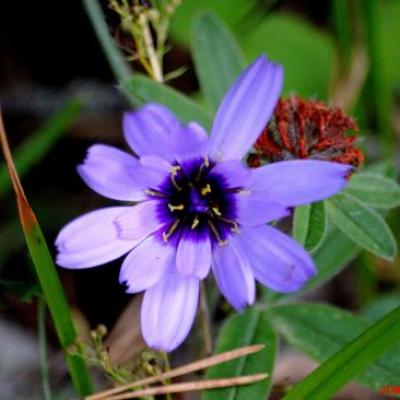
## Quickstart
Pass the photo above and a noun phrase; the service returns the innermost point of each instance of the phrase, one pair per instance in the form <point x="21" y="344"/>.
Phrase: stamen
<point x="171" y="230"/>
<point x="217" y="235"/>
<point x="196" y="222"/>
<point x="235" y="226"/>
<point x="174" y="171"/>
<point x="173" y="208"/>
<point x="155" y="193"/>
<point x="205" y="190"/>
<point x="205" y="164"/>
<point x="216" y="211"/>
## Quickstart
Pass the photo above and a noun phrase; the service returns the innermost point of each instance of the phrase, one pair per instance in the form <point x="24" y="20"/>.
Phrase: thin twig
<point x="186" y="369"/>
<point x="192" y="386"/>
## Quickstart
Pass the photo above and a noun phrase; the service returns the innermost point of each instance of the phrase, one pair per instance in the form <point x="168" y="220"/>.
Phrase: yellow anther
<point x="216" y="211"/>
<point x="155" y="193"/>
<point x="174" y="169"/>
<point x="196" y="222"/>
<point x="166" y="235"/>
<point x="205" y="164"/>
<point x="206" y="189"/>
<point x="173" y="208"/>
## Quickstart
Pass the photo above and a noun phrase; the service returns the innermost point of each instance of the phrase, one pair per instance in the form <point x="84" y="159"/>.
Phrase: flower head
<point x="198" y="207"/>
<point x="302" y="129"/>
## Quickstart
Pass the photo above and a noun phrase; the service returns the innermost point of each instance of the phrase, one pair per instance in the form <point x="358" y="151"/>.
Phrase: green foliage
<point x="382" y="305"/>
<point x="217" y="57"/>
<point x="225" y="9"/>
<point x="362" y="224"/>
<point x="250" y="327"/>
<point x="40" y="142"/>
<point x="310" y="225"/>
<point x="322" y="330"/>
<point x="306" y="52"/>
<point x="374" y="190"/>
<point x="144" y="90"/>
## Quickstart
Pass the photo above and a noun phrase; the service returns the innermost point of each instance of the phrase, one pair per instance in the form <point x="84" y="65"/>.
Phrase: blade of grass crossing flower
<point x="362" y="224"/>
<point x="48" y="277"/>
<point x="40" y="142"/>
<point x="214" y="49"/>
<point x="115" y="58"/>
<point x="144" y="90"/>
<point x="309" y="225"/>
<point x="320" y="330"/>
<point x="349" y="361"/>
<point x="247" y="328"/>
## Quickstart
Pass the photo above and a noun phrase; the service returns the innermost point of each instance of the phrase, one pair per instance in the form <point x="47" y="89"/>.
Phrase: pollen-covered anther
<point x="155" y="193"/>
<point x="216" y="211"/>
<point x="195" y="222"/>
<point x="205" y="190"/>
<point x="166" y="235"/>
<point x="205" y="164"/>
<point x="174" y="171"/>
<point x="173" y="208"/>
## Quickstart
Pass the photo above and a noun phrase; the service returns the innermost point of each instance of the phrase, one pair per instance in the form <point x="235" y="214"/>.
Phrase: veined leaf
<point x="362" y="224"/>
<point x="351" y="347"/>
<point x="251" y="327"/>
<point x="374" y="190"/>
<point x="144" y="90"/>
<point x="309" y="225"/>
<point x="217" y="57"/>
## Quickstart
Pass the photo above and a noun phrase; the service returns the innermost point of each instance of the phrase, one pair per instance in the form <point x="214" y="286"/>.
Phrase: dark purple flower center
<point x="195" y="200"/>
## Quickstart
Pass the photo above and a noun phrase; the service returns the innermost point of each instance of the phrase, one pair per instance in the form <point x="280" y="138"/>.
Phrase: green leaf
<point x="144" y="90"/>
<point x="40" y="142"/>
<point x="347" y="345"/>
<point x="217" y="57"/>
<point x="306" y="52"/>
<point x="235" y="13"/>
<point x="374" y="190"/>
<point x="309" y="225"/>
<point x="362" y="224"/>
<point x="250" y="327"/>
<point x="380" y="306"/>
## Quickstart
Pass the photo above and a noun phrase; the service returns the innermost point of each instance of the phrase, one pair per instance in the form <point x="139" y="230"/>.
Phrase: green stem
<point x="44" y="367"/>
<point x="340" y="16"/>
<point x="118" y="65"/>
<point x="380" y="97"/>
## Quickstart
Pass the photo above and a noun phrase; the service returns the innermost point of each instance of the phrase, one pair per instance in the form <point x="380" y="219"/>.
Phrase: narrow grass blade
<point x="39" y="143"/>
<point x="350" y="361"/>
<point x="48" y="277"/>
<point x="44" y="365"/>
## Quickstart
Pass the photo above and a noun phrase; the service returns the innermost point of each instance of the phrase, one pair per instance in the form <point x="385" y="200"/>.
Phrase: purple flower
<point x="198" y="207"/>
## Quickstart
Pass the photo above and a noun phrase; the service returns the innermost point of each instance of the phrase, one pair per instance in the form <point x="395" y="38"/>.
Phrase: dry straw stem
<point x="192" y="386"/>
<point x="186" y="369"/>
